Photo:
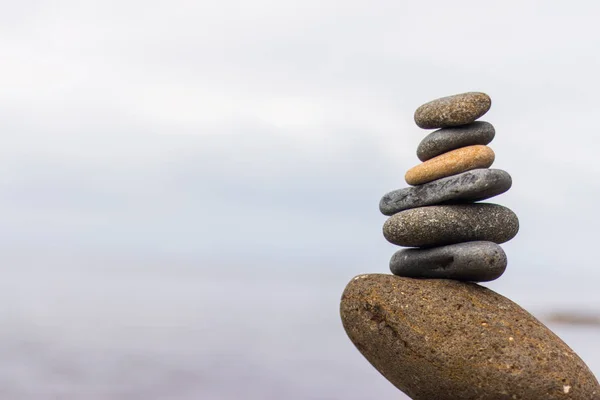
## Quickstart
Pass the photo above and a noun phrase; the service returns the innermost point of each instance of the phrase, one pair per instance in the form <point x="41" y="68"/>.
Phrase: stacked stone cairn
<point x="455" y="238"/>
<point x="428" y="328"/>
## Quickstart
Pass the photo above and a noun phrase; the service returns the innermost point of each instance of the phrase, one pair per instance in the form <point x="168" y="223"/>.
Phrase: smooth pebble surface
<point x="448" y="224"/>
<point x="446" y="139"/>
<point x="460" y="109"/>
<point x="471" y="261"/>
<point x="440" y="339"/>
<point x="474" y="185"/>
<point x="451" y="163"/>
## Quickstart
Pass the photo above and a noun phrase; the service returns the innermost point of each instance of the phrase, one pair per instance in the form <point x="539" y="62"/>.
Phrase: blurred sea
<point x="77" y="327"/>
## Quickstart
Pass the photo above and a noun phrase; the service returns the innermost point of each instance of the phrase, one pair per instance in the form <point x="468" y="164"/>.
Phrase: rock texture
<point x="444" y="140"/>
<point x="460" y="109"/>
<point x="448" y="340"/>
<point x="450" y="163"/>
<point x="449" y="224"/>
<point x="474" y="185"/>
<point x="471" y="261"/>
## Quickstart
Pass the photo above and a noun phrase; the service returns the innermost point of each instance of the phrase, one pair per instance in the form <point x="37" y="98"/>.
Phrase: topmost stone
<point x="460" y="109"/>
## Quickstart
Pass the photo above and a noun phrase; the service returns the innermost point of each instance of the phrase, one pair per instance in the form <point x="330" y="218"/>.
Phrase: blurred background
<point x="186" y="187"/>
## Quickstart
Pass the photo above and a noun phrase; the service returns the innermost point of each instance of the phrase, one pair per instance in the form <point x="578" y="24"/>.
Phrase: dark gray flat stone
<point x="441" y="225"/>
<point x="474" y="185"/>
<point x="446" y="139"/>
<point x="471" y="261"/>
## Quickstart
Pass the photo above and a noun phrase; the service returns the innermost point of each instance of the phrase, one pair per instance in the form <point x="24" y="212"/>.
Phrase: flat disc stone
<point x="471" y="261"/>
<point x="460" y="109"/>
<point x="451" y="163"/>
<point x="448" y="224"/>
<point x="438" y="339"/>
<point x="446" y="139"/>
<point x="474" y="185"/>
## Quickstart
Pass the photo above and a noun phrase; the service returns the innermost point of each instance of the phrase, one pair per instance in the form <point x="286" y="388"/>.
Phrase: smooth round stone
<point x="451" y="163"/>
<point x="471" y="261"/>
<point x="474" y="185"/>
<point x="448" y="224"/>
<point x="446" y="139"/>
<point x="460" y="109"/>
<point x="446" y="340"/>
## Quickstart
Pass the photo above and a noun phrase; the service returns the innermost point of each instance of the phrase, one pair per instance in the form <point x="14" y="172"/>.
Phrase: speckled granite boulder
<point x="474" y="185"/>
<point x="471" y="261"/>
<point x="444" y="140"/>
<point x="460" y="109"/>
<point x="447" y="340"/>
<point x="449" y="224"/>
<point x="451" y="163"/>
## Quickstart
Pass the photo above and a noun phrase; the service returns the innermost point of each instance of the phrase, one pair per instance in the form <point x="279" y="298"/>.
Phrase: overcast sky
<point x="206" y="175"/>
<point x="249" y="131"/>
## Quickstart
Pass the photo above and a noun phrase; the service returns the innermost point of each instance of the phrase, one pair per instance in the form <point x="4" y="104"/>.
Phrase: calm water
<point x="126" y="329"/>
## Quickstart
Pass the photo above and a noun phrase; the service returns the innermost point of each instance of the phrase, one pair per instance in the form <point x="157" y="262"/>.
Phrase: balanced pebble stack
<point x="428" y="328"/>
<point x="454" y="238"/>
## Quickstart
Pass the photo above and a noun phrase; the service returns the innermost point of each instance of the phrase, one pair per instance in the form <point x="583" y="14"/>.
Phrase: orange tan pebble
<point x="451" y="163"/>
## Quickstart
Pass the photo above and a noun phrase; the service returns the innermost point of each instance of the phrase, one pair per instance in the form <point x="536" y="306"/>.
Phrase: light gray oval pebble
<point x="447" y="139"/>
<point x="441" y="225"/>
<point x="474" y="185"/>
<point x="472" y="261"/>
<point x="460" y="109"/>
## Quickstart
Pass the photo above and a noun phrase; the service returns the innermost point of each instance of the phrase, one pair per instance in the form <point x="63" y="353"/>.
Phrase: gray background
<point x="187" y="186"/>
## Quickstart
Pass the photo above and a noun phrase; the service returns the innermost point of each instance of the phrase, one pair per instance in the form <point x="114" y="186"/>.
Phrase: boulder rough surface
<point x="448" y="340"/>
<point x="471" y="261"/>
<point x="448" y="224"/>
<point x="460" y="109"/>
